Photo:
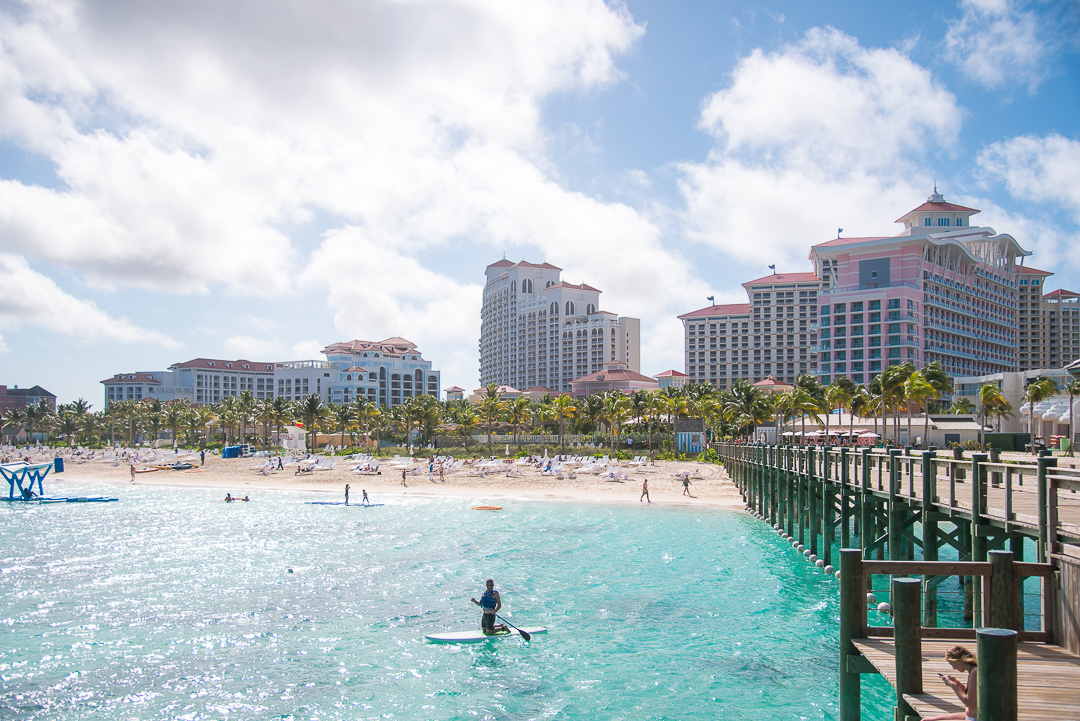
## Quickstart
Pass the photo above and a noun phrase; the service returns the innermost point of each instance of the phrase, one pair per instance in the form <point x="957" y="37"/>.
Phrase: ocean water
<point x="173" y="605"/>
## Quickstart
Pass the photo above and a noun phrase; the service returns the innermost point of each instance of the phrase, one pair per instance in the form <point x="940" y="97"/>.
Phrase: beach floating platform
<point x="73" y="499"/>
<point x="342" y="503"/>
<point x="487" y="508"/>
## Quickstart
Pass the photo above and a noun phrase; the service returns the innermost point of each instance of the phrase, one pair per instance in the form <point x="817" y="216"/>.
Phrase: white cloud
<point x="30" y="298"/>
<point x="247" y="347"/>
<point x="307" y="350"/>
<point x="1040" y="169"/>
<point x="996" y="44"/>
<point x="819" y="135"/>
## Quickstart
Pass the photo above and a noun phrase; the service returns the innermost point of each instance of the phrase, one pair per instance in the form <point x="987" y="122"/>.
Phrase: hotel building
<point x="771" y="335"/>
<point x="943" y="290"/>
<point x="388" y="372"/>
<point x="1049" y="322"/>
<point x="537" y="330"/>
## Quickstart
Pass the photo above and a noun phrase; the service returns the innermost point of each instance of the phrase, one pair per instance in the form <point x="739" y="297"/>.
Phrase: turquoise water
<point x="172" y="605"/>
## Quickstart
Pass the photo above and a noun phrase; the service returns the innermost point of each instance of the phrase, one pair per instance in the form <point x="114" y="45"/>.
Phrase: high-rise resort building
<point x="771" y="335"/>
<point x="537" y="330"/>
<point x="1049" y="322"/>
<point x="942" y="290"/>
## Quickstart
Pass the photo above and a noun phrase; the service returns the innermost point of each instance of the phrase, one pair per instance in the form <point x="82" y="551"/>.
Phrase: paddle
<point x="525" y="636"/>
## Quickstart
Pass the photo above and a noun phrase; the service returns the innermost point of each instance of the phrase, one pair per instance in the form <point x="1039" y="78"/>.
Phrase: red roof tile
<point x="504" y="263"/>
<point x="217" y="364"/>
<point x="673" y="373"/>
<point x="614" y="375"/>
<point x="848" y="241"/>
<point x="785" y="278"/>
<point x="454" y="389"/>
<point x="1061" y="293"/>
<point x="729" y="309"/>
<point x="938" y="208"/>
<point x="133" y="378"/>
<point x="1027" y="270"/>
<point x="564" y="284"/>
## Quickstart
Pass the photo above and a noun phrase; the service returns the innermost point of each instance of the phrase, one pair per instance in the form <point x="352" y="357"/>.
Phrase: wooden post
<point x="866" y="521"/>
<point x="895" y="520"/>
<point x="845" y="500"/>
<point x="827" y="507"/>
<point x="930" y="537"/>
<point x="811" y="506"/>
<point x="1004" y="598"/>
<point x="907" y="634"/>
<point x="997" y="697"/>
<point x="1044" y="507"/>
<point x="852" y="620"/>
<point x="978" y="541"/>
<point x="791" y="485"/>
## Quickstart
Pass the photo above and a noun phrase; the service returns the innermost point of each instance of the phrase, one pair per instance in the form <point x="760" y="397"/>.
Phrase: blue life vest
<point x="488" y="600"/>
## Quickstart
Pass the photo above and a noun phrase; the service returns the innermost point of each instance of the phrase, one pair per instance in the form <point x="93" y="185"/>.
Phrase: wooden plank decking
<point x="1048" y="678"/>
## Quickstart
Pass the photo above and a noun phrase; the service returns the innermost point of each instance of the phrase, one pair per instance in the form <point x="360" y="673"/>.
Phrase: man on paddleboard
<point x="491" y="602"/>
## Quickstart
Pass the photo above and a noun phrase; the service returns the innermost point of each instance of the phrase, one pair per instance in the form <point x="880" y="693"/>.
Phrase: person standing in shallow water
<point x="346" y="494"/>
<point x="490" y="602"/>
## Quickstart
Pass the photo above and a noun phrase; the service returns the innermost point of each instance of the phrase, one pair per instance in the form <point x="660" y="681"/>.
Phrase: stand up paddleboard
<point x="342" y="503"/>
<point x="478" y="636"/>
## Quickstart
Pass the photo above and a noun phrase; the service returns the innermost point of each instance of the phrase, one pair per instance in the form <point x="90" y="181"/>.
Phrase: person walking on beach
<point x="645" y="491"/>
<point x="346" y="494"/>
<point x="962" y="660"/>
<point x="280" y="467"/>
<point x="202" y="458"/>
<point x="364" y="501"/>
<point x="442" y="476"/>
<point x="490" y="602"/>
<point x="686" y="485"/>
<point x="132" y="472"/>
<point x="403" y="477"/>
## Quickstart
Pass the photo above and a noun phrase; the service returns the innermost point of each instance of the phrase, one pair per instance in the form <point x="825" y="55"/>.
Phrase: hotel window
<point x="856" y="308"/>
<point x="875" y="365"/>
<point x="875" y="340"/>
<point x="894" y="304"/>
<point x="875" y="305"/>
<point x="926" y="221"/>
<point x="942" y="221"/>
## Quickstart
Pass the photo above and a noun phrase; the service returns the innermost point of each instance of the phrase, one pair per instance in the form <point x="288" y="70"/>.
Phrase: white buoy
<point x="776" y="526"/>
<point x="837" y="575"/>
<point x="820" y="563"/>
<point x="802" y="547"/>
<point x="806" y="553"/>
<point x="871" y="598"/>
<point x="830" y="570"/>
<point x="884" y="608"/>
<point x="813" y="557"/>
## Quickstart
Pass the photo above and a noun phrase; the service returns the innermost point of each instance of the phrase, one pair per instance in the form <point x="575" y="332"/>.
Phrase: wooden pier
<point x="885" y="509"/>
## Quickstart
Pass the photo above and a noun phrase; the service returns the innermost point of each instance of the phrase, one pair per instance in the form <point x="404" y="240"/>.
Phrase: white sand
<point x="236" y="476"/>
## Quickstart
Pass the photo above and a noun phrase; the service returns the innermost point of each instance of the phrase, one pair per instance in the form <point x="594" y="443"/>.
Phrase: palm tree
<point x="892" y="385"/>
<point x="782" y="408"/>
<point x="15" y="418"/>
<point x="835" y="396"/>
<point x="1072" y="387"/>
<point x="564" y="411"/>
<point x="990" y="398"/>
<point x="280" y="413"/>
<point x="173" y="416"/>
<point x="919" y="390"/>
<point x="245" y="411"/>
<point x="1037" y="390"/>
<point x="961" y="406"/>
<point x="747" y="405"/>
<point x="936" y="376"/>
<point x="860" y="404"/>
<point x="344" y="414"/>
<point x="67" y="425"/>
<point x="518" y="411"/>
<point x="492" y="408"/>
<point x="311" y="409"/>
<point x="805" y="404"/>
<point x="616" y="409"/>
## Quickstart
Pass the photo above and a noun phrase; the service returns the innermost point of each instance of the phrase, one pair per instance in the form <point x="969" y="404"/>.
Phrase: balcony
<point x="877" y="286"/>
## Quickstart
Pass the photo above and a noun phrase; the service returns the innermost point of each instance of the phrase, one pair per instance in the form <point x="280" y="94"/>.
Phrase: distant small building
<point x="16" y="397"/>
<point x="771" y="385"/>
<point x="507" y="393"/>
<point x="671" y="379"/>
<point x="689" y="435"/>
<point x="453" y="393"/>
<point x="537" y="392"/>
<point x="616" y="376"/>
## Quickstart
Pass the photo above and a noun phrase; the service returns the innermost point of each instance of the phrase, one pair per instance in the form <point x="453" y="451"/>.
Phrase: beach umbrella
<point x="869" y="435"/>
<point x="788" y="433"/>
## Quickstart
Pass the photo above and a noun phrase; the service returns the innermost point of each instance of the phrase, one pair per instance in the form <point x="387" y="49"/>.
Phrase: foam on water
<point x="172" y="604"/>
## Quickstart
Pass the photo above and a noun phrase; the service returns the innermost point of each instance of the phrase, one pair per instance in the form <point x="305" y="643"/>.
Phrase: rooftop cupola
<point x="938" y="214"/>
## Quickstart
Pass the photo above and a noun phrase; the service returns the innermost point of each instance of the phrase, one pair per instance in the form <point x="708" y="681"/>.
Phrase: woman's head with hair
<point x="961" y="655"/>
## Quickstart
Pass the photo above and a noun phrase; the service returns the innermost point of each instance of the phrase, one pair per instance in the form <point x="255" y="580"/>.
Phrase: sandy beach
<point x="239" y="477"/>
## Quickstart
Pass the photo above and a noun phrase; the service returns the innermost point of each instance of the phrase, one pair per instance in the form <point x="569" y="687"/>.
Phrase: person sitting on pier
<point x="962" y="660"/>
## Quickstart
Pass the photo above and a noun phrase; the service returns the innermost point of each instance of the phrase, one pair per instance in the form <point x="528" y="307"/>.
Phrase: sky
<point x="258" y="179"/>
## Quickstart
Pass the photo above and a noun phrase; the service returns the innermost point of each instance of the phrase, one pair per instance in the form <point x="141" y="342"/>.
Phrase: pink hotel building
<point x="942" y="290"/>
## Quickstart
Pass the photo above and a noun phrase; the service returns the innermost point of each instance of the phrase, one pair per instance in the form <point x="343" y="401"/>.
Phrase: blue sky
<point x="254" y="180"/>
